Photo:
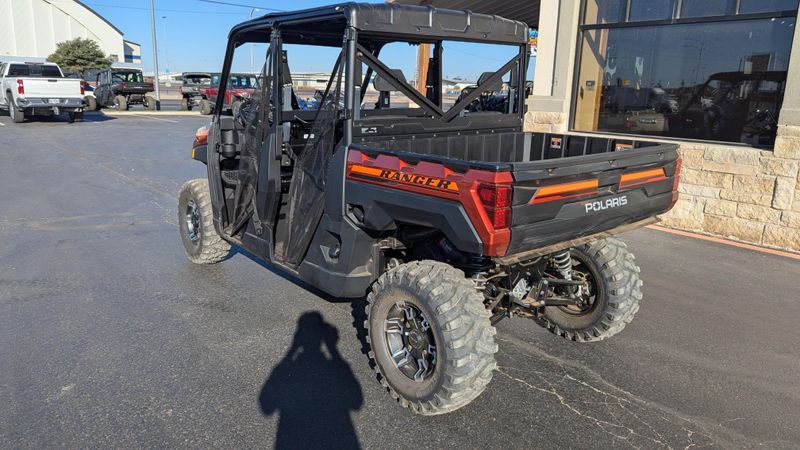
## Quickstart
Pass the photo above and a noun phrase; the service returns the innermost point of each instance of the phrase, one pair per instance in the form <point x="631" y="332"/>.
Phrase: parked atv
<point x="122" y="88"/>
<point x="193" y="89"/>
<point x="447" y="220"/>
<point x="239" y="87"/>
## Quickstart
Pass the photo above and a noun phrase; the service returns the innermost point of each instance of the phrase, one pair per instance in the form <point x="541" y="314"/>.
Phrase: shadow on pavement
<point x="313" y="391"/>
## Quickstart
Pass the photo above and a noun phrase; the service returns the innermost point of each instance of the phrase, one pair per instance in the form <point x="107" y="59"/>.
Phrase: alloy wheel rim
<point x="192" y="221"/>
<point x="410" y="341"/>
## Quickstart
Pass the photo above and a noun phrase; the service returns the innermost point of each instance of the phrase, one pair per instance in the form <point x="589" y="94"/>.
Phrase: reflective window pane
<point x="720" y="81"/>
<point x="758" y="6"/>
<point x="605" y="11"/>
<point x="703" y="8"/>
<point x="652" y="10"/>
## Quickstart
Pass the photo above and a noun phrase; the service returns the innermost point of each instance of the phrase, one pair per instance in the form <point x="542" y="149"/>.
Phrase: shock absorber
<point x="562" y="261"/>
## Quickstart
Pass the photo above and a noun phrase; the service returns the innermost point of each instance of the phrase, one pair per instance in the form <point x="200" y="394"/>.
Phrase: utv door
<point x="242" y="165"/>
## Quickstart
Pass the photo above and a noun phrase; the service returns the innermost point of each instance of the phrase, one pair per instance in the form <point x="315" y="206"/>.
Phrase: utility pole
<point x="155" y="53"/>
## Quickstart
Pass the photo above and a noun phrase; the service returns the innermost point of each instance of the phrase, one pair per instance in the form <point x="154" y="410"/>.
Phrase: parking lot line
<point x="156" y="118"/>
<point x="717" y="240"/>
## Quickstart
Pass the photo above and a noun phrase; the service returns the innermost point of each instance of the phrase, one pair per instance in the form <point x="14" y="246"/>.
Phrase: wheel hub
<point x="410" y="341"/>
<point x="192" y="221"/>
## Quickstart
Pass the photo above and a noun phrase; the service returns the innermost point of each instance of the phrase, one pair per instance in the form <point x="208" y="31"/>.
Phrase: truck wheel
<point x="91" y="104"/>
<point x="17" y="116"/>
<point x="121" y="102"/>
<point x="149" y="103"/>
<point x="235" y="108"/>
<point x="185" y="105"/>
<point x="74" y="116"/>
<point x="612" y="298"/>
<point x="430" y="336"/>
<point x="200" y="240"/>
<point x="205" y="107"/>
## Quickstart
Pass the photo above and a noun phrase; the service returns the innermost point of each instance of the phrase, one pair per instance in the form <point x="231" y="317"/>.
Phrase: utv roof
<point x="325" y="25"/>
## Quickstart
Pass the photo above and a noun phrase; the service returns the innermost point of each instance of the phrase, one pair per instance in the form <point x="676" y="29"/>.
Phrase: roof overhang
<point x="525" y="11"/>
<point x="392" y="20"/>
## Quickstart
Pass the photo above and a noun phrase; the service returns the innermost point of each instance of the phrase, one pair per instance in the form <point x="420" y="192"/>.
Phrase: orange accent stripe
<point x="642" y="177"/>
<point x="421" y="181"/>
<point x="565" y="190"/>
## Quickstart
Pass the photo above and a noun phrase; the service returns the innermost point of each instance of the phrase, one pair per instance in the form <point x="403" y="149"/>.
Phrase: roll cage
<point x="290" y="176"/>
<point x="362" y="30"/>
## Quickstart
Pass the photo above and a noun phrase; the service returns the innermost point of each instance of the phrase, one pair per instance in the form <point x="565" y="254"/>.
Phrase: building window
<point x="710" y="70"/>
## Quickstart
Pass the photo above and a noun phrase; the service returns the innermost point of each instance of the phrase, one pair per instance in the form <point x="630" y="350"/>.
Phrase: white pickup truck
<point x="39" y="89"/>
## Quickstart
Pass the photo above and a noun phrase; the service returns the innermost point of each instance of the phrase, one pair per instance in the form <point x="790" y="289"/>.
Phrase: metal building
<point x="31" y="29"/>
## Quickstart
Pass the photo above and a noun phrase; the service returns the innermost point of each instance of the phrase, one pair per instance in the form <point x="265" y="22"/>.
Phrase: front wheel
<point x="185" y="105"/>
<point x="196" y="222"/>
<point x="430" y="337"/>
<point x="611" y="294"/>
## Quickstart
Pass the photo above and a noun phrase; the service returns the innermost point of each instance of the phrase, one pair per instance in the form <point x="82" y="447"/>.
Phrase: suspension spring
<point x="562" y="261"/>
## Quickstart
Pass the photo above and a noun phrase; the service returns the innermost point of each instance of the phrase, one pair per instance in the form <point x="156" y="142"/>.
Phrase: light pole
<point x="250" y="16"/>
<point x="155" y="52"/>
<point x="166" y="48"/>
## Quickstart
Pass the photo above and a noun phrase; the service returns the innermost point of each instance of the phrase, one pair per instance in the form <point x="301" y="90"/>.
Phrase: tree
<point x="78" y="55"/>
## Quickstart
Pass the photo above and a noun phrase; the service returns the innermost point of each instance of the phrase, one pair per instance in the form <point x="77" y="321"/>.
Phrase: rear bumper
<point x="50" y="103"/>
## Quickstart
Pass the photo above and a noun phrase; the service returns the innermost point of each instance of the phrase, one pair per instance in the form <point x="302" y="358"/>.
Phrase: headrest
<point x="382" y="85"/>
<point x="492" y="87"/>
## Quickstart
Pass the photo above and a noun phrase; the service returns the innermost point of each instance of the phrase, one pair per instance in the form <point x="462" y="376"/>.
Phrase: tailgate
<point x="562" y="199"/>
<point x="52" y="87"/>
<point x="137" y="88"/>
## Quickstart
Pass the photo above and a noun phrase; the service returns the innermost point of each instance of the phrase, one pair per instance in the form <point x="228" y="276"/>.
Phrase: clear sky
<point x="192" y="35"/>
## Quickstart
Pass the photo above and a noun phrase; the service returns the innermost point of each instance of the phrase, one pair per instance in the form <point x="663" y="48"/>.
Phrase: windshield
<point x="127" y="77"/>
<point x="203" y="80"/>
<point x="34" y="70"/>
<point x="243" y="81"/>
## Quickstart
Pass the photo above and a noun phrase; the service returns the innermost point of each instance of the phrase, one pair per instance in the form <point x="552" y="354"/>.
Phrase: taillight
<point x="20" y="87"/>
<point x="496" y="201"/>
<point x="83" y="87"/>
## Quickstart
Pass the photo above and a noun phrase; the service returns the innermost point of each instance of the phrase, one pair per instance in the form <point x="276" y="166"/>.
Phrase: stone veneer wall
<point x="739" y="193"/>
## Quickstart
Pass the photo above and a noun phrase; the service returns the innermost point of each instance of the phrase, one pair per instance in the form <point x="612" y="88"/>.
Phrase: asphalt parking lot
<point x="110" y="338"/>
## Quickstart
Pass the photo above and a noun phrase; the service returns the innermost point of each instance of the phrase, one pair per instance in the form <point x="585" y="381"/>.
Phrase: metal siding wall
<point x="8" y="44"/>
<point x="43" y="27"/>
<point x="60" y="25"/>
<point x="22" y="15"/>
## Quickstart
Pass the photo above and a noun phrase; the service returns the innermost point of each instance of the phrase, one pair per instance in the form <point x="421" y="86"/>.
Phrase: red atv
<point x="240" y="86"/>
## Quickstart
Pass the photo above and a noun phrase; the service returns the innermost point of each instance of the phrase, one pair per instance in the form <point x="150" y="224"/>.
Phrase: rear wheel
<point x="610" y="300"/>
<point x="121" y="102"/>
<point x="195" y="219"/>
<point x="205" y="107"/>
<point x="74" y="116"/>
<point x="149" y="103"/>
<point x="430" y="337"/>
<point x="17" y="116"/>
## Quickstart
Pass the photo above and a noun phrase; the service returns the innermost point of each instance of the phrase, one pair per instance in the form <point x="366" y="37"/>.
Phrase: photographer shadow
<point x="313" y="391"/>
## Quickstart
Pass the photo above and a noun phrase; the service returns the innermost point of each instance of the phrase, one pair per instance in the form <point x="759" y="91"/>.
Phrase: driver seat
<point x="385" y="88"/>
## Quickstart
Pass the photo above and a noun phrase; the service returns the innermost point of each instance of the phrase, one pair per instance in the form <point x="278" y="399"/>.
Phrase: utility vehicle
<point x="448" y="220"/>
<point x="192" y="88"/>
<point x="239" y="87"/>
<point x="120" y="88"/>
